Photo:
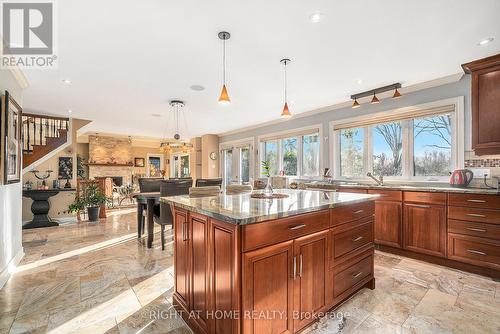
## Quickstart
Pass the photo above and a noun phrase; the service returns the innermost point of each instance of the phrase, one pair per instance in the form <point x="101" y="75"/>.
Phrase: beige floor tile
<point x="376" y="325"/>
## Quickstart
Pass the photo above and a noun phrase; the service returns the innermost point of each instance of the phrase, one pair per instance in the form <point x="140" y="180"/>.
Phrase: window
<point x="310" y="155"/>
<point x="289" y="156"/>
<point x="271" y="155"/>
<point x="293" y="155"/>
<point x="245" y="164"/>
<point x="228" y="166"/>
<point x="422" y="142"/>
<point x="388" y="149"/>
<point x="351" y="152"/>
<point x="432" y="145"/>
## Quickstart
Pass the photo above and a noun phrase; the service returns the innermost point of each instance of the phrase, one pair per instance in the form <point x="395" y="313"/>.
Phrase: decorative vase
<point x="93" y="212"/>
<point x="269" y="187"/>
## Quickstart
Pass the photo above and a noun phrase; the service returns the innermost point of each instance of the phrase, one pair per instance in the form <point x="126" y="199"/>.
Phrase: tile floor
<point x="98" y="278"/>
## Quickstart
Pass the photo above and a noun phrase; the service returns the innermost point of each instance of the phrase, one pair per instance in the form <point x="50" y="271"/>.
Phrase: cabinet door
<point x="268" y="289"/>
<point x="199" y="268"/>
<point x="311" y="253"/>
<point x="425" y="229"/>
<point x="182" y="256"/>
<point x="388" y="223"/>
<point x="224" y="275"/>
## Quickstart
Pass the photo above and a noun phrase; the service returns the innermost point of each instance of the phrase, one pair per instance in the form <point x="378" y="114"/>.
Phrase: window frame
<point x="297" y="133"/>
<point x="457" y="137"/>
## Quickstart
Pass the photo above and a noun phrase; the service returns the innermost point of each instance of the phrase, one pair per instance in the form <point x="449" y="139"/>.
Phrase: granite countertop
<point x="241" y="209"/>
<point x="392" y="186"/>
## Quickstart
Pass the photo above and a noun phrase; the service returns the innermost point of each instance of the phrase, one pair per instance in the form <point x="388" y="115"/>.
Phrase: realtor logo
<point x="28" y="34"/>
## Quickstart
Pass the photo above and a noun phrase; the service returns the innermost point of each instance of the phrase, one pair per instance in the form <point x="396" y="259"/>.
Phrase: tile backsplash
<point x="492" y="162"/>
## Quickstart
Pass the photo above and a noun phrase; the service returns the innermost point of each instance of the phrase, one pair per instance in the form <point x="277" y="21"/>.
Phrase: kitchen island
<point x="246" y="265"/>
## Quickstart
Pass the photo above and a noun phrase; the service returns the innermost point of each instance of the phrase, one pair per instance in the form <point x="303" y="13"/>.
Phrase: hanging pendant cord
<point x="285" y="84"/>
<point x="224" y="61"/>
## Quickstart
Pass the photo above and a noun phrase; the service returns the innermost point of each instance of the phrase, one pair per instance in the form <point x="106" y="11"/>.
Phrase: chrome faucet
<point x="380" y="180"/>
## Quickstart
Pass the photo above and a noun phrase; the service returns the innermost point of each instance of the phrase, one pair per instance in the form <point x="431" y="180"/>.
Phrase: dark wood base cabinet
<point x="246" y="279"/>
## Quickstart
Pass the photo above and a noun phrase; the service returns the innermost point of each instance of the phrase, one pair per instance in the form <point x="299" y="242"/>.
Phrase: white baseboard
<point x="9" y="268"/>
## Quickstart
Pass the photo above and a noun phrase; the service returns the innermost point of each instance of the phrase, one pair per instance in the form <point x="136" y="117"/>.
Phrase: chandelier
<point x="176" y="144"/>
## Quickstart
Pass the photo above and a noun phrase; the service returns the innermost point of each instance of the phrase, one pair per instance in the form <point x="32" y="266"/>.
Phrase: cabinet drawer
<point x="475" y="201"/>
<point x="349" y="277"/>
<point x="347" y="241"/>
<point x="474" y="250"/>
<point x="271" y="232"/>
<point x="387" y="195"/>
<point x="491" y="231"/>
<point x="474" y="214"/>
<point x="345" y="214"/>
<point x="424" y="197"/>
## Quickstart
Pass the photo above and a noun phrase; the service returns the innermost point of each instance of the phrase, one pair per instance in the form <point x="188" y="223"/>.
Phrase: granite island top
<point x="408" y="187"/>
<point x="241" y="209"/>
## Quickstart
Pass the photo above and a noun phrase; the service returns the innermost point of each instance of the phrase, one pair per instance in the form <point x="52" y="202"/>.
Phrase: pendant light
<point x="224" y="96"/>
<point x="286" y="112"/>
<point x="374" y="100"/>
<point x="397" y="94"/>
<point x="355" y="104"/>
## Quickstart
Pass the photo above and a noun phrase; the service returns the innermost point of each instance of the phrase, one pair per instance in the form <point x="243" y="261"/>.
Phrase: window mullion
<point x="368" y="151"/>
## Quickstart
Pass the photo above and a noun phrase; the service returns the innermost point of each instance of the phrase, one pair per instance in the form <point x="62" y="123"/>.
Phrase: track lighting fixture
<point x="374" y="92"/>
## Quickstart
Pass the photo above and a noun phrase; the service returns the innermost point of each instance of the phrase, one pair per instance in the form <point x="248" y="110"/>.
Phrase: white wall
<point x="11" y="249"/>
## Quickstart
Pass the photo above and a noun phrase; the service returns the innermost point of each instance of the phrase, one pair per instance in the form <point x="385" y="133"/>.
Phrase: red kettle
<point x="461" y="178"/>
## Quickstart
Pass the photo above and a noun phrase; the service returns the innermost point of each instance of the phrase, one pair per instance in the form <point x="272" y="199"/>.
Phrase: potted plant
<point x="266" y="170"/>
<point x="91" y="199"/>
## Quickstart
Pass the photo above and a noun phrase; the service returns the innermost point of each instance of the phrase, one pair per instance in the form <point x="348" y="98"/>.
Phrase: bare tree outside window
<point x="388" y="149"/>
<point x="351" y="152"/>
<point x="432" y="145"/>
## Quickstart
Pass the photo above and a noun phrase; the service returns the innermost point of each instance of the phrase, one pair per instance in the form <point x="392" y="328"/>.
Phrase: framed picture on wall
<point x="139" y="162"/>
<point x="11" y="148"/>
<point x="65" y="170"/>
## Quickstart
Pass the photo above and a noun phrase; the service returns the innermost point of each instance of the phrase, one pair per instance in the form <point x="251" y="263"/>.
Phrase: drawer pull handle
<point x="476" y="215"/>
<point x="476" y="201"/>
<point x="358" y="212"/>
<point x="357" y="275"/>
<point x="294" y="267"/>
<point x="357" y="239"/>
<point x="476" y="252"/>
<point x="475" y="229"/>
<point x="422" y="206"/>
<point x="300" y="265"/>
<point x="296" y="227"/>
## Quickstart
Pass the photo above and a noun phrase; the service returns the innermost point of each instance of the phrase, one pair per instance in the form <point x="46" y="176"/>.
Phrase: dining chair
<point x="146" y="185"/>
<point x="163" y="213"/>
<point x="208" y="182"/>
<point x="233" y="189"/>
<point x="204" y="191"/>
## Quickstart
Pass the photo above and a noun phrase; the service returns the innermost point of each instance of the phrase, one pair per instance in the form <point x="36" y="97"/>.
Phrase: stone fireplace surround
<point x="107" y="151"/>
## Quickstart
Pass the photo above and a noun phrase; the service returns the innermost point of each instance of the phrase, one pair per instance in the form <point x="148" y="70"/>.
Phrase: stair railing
<point x="37" y="129"/>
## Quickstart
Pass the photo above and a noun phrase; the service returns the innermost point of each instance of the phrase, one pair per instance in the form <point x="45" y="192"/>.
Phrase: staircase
<point x="41" y="135"/>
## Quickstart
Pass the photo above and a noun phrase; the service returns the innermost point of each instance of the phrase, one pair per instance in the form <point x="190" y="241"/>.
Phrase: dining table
<point x="148" y="199"/>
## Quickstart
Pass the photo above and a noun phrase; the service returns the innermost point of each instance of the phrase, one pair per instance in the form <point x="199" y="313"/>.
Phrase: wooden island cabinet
<point x="273" y="276"/>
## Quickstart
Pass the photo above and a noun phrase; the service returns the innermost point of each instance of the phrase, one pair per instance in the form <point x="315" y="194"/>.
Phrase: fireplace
<point x="117" y="180"/>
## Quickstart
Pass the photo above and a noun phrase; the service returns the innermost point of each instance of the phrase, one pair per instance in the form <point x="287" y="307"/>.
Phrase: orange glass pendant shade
<point x="286" y="112"/>
<point x="397" y="94"/>
<point x="375" y="99"/>
<point x="356" y="104"/>
<point x="224" y="96"/>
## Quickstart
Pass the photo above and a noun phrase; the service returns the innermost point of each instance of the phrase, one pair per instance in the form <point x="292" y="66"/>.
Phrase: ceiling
<point x="127" y="59"/>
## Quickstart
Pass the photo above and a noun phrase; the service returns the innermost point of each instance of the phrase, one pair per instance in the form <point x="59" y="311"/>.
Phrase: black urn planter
<point x="93" y="212"/>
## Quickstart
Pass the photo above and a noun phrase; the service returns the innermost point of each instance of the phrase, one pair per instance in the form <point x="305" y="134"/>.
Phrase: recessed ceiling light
<point x="66" y="81"/>
<point x="70" y="111"/>
<point x="197" y="88"/>
<point x="485" y="41"/>
<point x="316" y="17"/>
<point x="156" y="115"/>
<point x="360" y="81"/>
